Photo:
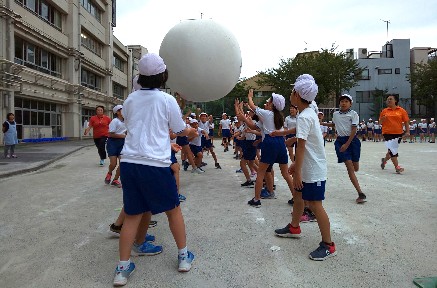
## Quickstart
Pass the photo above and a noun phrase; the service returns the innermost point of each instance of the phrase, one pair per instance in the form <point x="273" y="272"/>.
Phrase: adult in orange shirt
<point x="392" y="119"/>
<point x="100" y="125"/>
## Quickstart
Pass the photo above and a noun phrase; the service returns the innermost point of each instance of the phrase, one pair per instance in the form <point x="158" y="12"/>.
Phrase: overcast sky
<point x="268" y="30"/>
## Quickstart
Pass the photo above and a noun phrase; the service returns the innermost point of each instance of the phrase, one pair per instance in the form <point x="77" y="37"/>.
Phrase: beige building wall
<point x="54" y="99"/>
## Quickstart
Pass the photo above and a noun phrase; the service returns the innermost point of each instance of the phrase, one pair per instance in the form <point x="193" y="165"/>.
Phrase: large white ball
<point x="203" y="60"/>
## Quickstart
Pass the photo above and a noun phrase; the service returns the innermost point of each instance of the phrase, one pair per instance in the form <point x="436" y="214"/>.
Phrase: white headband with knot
<point x="306" y="87"/>
<point x="278" y="101"/>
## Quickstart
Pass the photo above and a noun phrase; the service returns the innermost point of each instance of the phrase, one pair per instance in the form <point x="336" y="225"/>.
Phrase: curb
<point x="36" y="168"/>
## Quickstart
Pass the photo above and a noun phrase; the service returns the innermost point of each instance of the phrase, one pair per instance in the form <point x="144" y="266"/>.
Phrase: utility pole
<point x="387" y="22"/>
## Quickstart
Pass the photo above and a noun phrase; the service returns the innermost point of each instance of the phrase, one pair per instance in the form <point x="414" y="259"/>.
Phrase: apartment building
<point x="59" y="60"/>
<point x="385" y="71"/>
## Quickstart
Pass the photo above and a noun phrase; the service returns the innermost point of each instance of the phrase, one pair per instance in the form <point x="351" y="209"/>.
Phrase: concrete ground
<point x="54" y="227"/>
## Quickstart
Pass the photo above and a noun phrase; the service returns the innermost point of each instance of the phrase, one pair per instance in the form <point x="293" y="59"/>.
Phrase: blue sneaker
<point x="265" y="193"/>
<point x="145" y="249"/>
<point x="182" y="198"/>
<point x="102" y="162"/>
<point x="185" y="262"/>
<point x="121" y="276"/>
<point x="150" y="238"/>
<point x="323" y="252"/>
<point x="239" y="171"/>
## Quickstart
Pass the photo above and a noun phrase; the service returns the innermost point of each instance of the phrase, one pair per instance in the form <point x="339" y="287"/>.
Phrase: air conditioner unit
<point x="362" y="53"/>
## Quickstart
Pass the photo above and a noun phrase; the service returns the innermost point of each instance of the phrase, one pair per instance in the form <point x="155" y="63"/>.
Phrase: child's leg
<point x="269" y="181"/>
<point x="259" y="179"/>
<point x="298" y="207"/>
<point x="112" y="164"/>
<point x="287" y="177"/>
<point x="117" y="172"/>
<point x="6" y="150"/>
<point x="177" y="226"/>
<point x="351" y="168"/>
<point x="128" y="234"/>
<point x="211" y="150"/>
<point x="12" y="149"/>
<point x="199" y="157"/>
<point x="175" y="167"/>
<point x="243" y="167"/>
<point x="186" y="149"/>
<point x="120" y="218"/>
<point x="142" y="228"/>
<point x="322" y="220"/>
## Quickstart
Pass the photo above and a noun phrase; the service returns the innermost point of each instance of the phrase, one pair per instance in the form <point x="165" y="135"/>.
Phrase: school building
<point x="59" y="60"/>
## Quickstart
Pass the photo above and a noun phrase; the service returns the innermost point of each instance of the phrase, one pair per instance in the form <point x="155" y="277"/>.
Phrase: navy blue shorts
<point x="313" y="191"/>
<point x="206" y="143"/>
<point x="173" y="157"/>
<point x="237" y="142"/>
<point x="195" y="149"/>
<point x="431" y="130"/>
<point x="273" y="150"/>
<point x="114" y="146"/>
<point x="412" y="132"/>
<point x="352" y="152"/>
<point x="226" y="133"/>
<point x="148" y="189"/>
<point x="182" y="140"/>
<point x="249" y="151"/>
<point x="211" y="132"/>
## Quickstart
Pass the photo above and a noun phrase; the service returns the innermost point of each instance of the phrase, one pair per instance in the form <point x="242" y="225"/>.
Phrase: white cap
<point x="203" y="113"/>
<point x="432" y="119"/>
<point x="370" y="119"/>
<point x="116" y="108"/>
<point x="193" y="121"/>
<point x="320" y="112"/>
<point x="306" y="87"/>
<point x="151" y="64"/>
<point x="224" y="114"/>
<point x="278" y="101"/>
<point x="135" y="85"/>
<point x="347" y="96"/>
<point x="193" y="114"/>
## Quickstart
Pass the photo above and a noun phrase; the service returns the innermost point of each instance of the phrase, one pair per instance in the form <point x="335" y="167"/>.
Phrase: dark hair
<point x="100" y="106"/>
<point x="255" y="118"/>
<point x="9" y="114"/>
<point x="344" y="97"/>
<point x="394" y="96"/>
<point x="154" y="81"/>
<point x="278" y="118"/>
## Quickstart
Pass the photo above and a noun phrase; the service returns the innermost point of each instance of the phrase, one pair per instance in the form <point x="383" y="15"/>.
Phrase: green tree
<point x="423" y="79"/>
<point x="378" y="102"/>
<point x="333" y="72"/>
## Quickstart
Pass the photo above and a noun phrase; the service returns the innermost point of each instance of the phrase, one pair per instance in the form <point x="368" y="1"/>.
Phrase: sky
<point x="270" y="30"/>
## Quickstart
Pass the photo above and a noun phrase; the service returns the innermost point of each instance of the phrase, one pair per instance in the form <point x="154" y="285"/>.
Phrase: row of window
<point x="118" y="90"/>
<point x="389" y="71"/>
<point x="37" y="58"/>
<point x="118" y="63"/>
<point x="44" y="10"/>
<point x="91" y="44"/>
<point x="91" y="80"/>
<point x="92" y="9"/>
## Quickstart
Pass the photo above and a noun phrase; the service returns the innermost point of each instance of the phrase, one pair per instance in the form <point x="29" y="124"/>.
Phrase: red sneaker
<point x="108" y="178"/>
<point x="116" y="183"/>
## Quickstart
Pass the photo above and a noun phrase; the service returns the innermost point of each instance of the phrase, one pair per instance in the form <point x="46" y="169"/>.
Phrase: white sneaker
<point x="185" y="262"/>
<point x="197" y="170"/>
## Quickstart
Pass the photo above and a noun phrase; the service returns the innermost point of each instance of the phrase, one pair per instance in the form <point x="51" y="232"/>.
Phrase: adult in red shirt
<point x="100" y="125"/>
<point x="393" y="119"/>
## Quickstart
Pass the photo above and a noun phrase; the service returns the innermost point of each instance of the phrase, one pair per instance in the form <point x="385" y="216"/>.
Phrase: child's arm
<point x="297" y="177"/>
<point x="327" y="124"/>
<point x="283" y="132"/>
<point x="248" y="121"/>
<point x="348" y="142"/>
<point x="250" y="100"/>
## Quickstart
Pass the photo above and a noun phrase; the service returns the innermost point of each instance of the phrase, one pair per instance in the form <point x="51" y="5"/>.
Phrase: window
<point x="385" y="71"/>
<point x="397" y="70"/>
<point x="37" y="58"/>
<point x="118" y="90"/>
<point x="364" y="97"/>
<point x="91" y="44"/>
<point x="364" y="75"/>
<point x="118" y="63"/>
<point x="43" y="10"/>
<point x="92" y="8"/>
<point x="91" y="80"/>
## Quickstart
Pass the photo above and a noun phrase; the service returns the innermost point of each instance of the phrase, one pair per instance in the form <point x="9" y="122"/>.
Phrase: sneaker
<point x="116" y="183"/>
<point x="102" y="162"/>
<point x="115" y="230"/>
<point x="182" y="198"/>
<point x="203" y="164"/>
<point x="7" y="156"/>
<point x="185" y="262"/>
<point x="323" y="252"/>
<point x="361" y="198"/>
<point x="149" y="238"/>
<point x="383" y="163"/>
<point x="264" y="193"/>
<point x="254" y="203"/>
<point x="270" y="196"/>
<point x="308" y="217"/>
<point x="153" y="223"/>
<point x="291" y="202"/>
<point x="201" y="169"/>
<point x="145" y="249"/>
<point x="288" y="232"/>
<point x="399" y="169"/>
<point x="217" y="166"/>
<point x="121" y="276"/>
<point x="197" y="170"/>
<point x="185" y="164"/>
<point x="108" y="178"/>
<point x="239" y="171"/>
<point x="13" y="156"/>
<point x="247" y="184"/>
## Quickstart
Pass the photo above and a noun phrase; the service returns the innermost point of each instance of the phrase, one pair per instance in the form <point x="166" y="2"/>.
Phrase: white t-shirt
<point x="117" y="126"/>
<point x="204" y="126"/>
<point x="344" y="121"/>
<point x="314" y="162"/>
<point x="423" y="126"/>
<point x="225" y="123"/>
<point x="148" y="114"/>
<point x="266" y="117"/>
<point x="370" y="125"/>
<point x="289" y="122"/>
<point x="198" y="140"/>
<point x="324" y="129"/>
<point x="211" y="125"/>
